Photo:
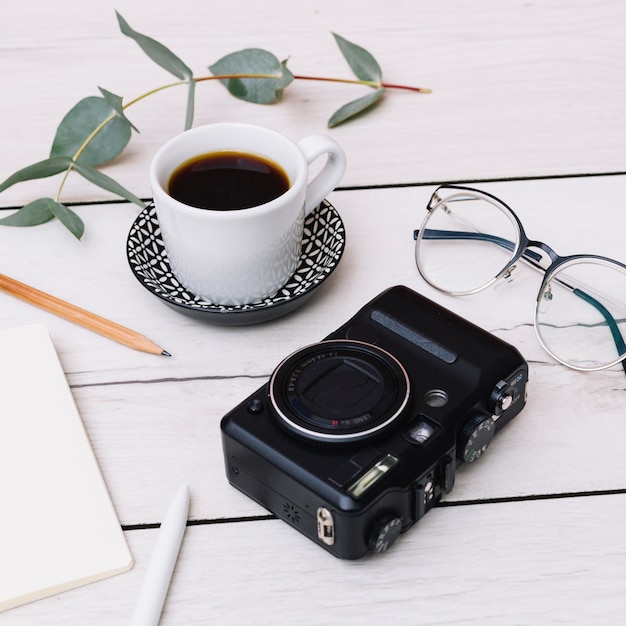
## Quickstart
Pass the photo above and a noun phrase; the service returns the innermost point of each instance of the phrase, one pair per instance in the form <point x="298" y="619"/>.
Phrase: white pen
<point x="157" y="581"/>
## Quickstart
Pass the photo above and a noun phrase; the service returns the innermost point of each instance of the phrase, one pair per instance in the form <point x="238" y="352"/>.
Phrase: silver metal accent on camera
<point x="338" y="437"/>
<point x="325" y="526"/>
<point x="436" y="398"/>
<point x="421" y="431"/>
<point x="429" y="491"/>
<point x="501" y="397"/>
<point x="373" y="475"/>
<point x="506" y="402"/>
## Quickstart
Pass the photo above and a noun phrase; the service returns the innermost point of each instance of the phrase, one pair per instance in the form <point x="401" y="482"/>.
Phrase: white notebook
<point x="58" y="527"/>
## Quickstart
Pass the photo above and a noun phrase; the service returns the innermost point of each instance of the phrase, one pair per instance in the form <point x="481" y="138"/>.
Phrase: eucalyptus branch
<point x="154" y="91"/>
<point x="97" y="129"/>
<point x="366" y="83"/>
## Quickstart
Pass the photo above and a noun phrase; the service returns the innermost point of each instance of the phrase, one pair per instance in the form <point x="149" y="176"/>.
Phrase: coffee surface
<point x="227" y="181"/>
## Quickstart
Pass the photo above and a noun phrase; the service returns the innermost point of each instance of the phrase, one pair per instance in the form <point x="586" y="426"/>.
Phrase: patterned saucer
<point x="323" y="243"/>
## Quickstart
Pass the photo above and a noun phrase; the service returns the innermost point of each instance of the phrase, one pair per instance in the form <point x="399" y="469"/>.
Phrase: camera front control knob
<point x="384" y="532"/>
<point x="475" y="436"/>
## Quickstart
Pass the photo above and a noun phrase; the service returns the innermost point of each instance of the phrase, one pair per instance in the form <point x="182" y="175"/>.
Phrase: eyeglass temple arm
<point x="430" y="233"/>
<point x="533" y="258"/>
<point x="610" y="320"/>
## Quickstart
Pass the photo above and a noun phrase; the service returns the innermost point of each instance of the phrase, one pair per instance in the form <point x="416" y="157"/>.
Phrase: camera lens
<point x="339" y="391"/>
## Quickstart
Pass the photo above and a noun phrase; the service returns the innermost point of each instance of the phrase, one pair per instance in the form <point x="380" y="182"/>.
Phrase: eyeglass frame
<point x="522" y="252"/>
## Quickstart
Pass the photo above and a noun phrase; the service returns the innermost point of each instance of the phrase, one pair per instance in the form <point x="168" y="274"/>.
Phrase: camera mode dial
<point x="383" y="533"/>
<point x="475" y="437"/>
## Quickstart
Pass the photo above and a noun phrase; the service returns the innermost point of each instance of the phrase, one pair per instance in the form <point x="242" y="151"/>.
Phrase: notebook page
<point x="58" y="527"/>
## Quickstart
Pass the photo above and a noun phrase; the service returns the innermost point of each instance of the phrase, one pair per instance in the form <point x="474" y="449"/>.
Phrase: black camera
<point x="355" y="438"/>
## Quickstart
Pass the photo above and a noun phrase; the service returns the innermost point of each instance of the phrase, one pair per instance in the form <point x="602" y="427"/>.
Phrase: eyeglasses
<point x="470" y="239"/>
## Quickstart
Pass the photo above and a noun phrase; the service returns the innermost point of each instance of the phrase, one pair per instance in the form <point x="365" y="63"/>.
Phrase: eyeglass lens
<point x="465" y="242"/>
<point x="580" y="316"/>
<point x="468" y="239"/>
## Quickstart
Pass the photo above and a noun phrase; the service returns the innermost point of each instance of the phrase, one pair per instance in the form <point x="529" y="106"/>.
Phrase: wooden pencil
<point x="79" y="316"/>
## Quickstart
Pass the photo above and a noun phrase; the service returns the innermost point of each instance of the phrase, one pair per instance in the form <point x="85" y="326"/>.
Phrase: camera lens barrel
<point x="339" y="391"/>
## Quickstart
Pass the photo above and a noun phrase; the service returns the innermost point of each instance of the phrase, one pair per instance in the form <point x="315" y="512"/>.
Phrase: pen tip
<point x="165" y="353"/>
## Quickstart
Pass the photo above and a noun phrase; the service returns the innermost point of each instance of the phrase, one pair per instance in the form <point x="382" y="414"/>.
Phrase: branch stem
<point x="152" y="92"/>
<point x="367" y="83"/>
<point x="95" y="131"/>
<point x="229" y="76"/>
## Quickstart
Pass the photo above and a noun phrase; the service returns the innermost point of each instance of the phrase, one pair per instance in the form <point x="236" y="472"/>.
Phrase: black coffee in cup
<point x="227" y="181"/>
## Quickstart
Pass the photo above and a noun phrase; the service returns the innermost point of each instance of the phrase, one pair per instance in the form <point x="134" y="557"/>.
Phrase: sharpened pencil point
<point x="165" y="353"/>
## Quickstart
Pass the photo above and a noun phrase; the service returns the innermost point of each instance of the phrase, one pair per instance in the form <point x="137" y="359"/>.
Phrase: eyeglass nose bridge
<point x="529" y="254"/>
<point x="534" y="253"/>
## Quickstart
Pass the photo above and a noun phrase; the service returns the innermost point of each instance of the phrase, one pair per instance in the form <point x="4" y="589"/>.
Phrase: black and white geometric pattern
<point x="323" y="243"/>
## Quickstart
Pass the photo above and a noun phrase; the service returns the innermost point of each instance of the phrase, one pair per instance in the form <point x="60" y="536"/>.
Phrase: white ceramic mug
<point x="240" y="256"/>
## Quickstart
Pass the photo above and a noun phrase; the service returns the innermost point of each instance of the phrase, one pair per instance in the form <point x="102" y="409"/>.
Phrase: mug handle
<point x="312" y="147"/>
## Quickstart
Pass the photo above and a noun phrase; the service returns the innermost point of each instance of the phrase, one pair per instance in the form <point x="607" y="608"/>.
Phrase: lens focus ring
<point x="338" y="391"/>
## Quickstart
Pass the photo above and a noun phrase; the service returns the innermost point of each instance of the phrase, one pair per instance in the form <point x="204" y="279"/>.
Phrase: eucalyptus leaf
<point x="285" y="81"/>
<point x="156" y="51"/>
<point x="355" y="107"/>
<point x="115" y="102"/>
<point x="363" y="64"/>
<point x="68" y="218"/>
<point x="267" y="89"/>
<point x="191" y="104"/>
<point x="106" y="182"/>
<point x="78" y="125"/>
<point x="32" y="214"/>
<point x="43" y="210"/>
<point x="41" y="169"/>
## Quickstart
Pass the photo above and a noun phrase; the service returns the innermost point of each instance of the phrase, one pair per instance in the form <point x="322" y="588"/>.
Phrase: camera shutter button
<point x="384" y="532"/>
<point x="501" y="397"/>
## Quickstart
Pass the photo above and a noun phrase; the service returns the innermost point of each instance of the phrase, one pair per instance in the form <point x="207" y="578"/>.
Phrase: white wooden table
<point x="528" y="103"/>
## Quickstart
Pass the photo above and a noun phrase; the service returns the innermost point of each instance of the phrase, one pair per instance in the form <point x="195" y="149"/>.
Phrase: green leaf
<point x="191" y="103"/>
<point x="43" y="210"/>
<point x="156" y="51"/>
<point x="31" y="214"/>
<point x="363" y="64"/>
<point x="41" y="169"/>
<point x="106" y="182"/>
<point x="80" y="123"/>
<point x="285" y="81"/>
<point x="355" y="107"/>
<point x="68" y="218"/>
<point x="267" y="89"/>
<point x="115" y="102"/>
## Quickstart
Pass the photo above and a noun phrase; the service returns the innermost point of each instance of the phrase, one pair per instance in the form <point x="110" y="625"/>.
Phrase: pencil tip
<point x="165" y="353"/>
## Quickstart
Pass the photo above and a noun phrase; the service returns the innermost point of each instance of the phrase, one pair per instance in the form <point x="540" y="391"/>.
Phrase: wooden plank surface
<point x="519" y="89"/>
<point x="519" y="563"/>
<point x="167" y="410"/>
<point x="533" y="533"/>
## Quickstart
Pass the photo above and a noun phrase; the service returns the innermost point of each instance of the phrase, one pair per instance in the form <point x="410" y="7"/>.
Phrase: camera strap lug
<point x="325" y="526"/>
